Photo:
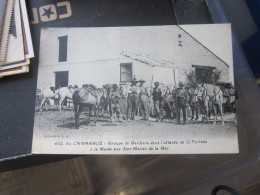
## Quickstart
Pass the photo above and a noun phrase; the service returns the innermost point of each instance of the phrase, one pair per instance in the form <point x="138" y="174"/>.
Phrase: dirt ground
<point x="53" y="125"/>
<point x="54" y="119"/>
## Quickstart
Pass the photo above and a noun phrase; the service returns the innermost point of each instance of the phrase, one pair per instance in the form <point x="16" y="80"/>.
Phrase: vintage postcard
<point x="14" y="71"/>
<point x="29" y="53"/>
<point x="14" y="65"/>
<point x="136" y="90"/>
<point x="2" y="14"/>
<point x="15" y="48"/>
<point x="5" y="30"/>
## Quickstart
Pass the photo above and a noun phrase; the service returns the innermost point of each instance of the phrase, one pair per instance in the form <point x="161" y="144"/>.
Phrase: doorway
<point x="204" y="74"/>
<point x="62" y="80"/>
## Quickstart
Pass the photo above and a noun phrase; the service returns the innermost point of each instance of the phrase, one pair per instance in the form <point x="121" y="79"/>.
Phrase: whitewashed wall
<point x="162" y="43"/>
<point x="94" y="54"/>
<point x="150" y="74"/>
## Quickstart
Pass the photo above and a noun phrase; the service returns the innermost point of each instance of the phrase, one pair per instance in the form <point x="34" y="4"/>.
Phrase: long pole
<point x="151" y="87"/>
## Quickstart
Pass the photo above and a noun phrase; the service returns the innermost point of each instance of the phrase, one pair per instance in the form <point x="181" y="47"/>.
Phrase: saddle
<point x="71" y="88"/>
<point x="92" y="89"/>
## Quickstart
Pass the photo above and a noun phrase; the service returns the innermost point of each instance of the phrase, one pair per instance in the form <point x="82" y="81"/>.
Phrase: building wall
<point x="150" y="74"/>
<point x="163" y="44"/>
<point x="94" y="55"/>
<point x="97" y="73"/>
<point x="84" y="45"/>
<point x="193" y="53"/>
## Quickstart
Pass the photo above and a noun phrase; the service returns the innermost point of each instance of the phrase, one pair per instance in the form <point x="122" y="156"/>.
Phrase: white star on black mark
<point x="47" y="12"/>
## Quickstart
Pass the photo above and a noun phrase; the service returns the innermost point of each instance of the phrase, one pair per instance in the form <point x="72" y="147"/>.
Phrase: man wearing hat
<point x="193" y="101"/>
<point x="182" y="96"/>
<point x="132" y="100"/>
<point x="144" y="99"/>
<point x="115" y="103"/>
<point x="157" y="99"/>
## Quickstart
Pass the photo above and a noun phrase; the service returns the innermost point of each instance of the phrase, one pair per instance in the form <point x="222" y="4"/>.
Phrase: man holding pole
<point x="144" y="99"/>
<point x="132" y="100"/>
<point x="182" y="96"/>
<point x="157" y="99"/>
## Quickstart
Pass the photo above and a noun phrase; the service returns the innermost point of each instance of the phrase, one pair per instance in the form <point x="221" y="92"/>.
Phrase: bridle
<point x="204" y="94"/>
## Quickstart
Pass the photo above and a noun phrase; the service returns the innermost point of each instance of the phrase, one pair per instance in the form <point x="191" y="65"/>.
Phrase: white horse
<point x="65" y="93"/>
<point x="47" y="94"/>
<point x="208" y="93"/>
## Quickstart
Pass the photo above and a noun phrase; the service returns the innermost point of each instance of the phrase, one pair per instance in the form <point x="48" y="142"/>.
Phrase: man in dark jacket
<point x="132" y="100"/>
<point x="182" y="96"/>
<point x="115" y="103"/>
<point x="157" y="99"/>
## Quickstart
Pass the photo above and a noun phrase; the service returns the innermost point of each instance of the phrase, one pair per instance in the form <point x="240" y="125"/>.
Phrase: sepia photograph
<point x="136" y="90"/>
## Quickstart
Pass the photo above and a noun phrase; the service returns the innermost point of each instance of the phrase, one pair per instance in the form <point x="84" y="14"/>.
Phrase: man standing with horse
<point x="144" y="99"/>
<point x="193" y="101"/>
<point x="115" y="103"/>
<point x="181" y="97"/>
<point x="157" y="99"/>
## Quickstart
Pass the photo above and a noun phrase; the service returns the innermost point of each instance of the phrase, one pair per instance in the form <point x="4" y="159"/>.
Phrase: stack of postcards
<point x="15" y="38"/>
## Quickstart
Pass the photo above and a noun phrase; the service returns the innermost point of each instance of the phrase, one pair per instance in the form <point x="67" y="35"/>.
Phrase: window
<point x="125" y="72"/>
<point x="63" y="48"/>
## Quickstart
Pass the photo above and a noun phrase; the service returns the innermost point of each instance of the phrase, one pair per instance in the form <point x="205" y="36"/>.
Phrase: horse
<point x="228" y="99"/>
<point x="65" y="93"/>
<point x="48" y="93"/>
<point x="208" y="93"/>
<point x="169" y="105"/>
<point x="103" y="100"/>
<point x="108" y="88"/>
<point x="87" y="96"/>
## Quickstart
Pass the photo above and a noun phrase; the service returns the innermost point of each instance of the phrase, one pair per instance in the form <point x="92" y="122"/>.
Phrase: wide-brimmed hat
<point x="156" y="83"/>
<point x="115" y="86"/>
<point x="141" y="81"/>
<point x="134" y="80"/>
<point x="181" y="84"/>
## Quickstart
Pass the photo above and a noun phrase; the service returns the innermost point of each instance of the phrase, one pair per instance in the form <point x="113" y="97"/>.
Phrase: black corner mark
<point x="48" y="12"/>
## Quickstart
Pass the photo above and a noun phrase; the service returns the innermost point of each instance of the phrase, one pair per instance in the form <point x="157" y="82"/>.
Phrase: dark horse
<point x="86" y="97"/>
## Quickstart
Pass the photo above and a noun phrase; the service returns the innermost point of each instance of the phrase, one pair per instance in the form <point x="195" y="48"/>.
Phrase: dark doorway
<point x="62" y="80"/>
<point x="204" y="74"/>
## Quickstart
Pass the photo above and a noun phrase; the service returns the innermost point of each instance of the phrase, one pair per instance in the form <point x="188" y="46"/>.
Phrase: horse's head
<point x="52" y="89"/>
<point x="163" y="89"/>
<point x="201" y="90"/>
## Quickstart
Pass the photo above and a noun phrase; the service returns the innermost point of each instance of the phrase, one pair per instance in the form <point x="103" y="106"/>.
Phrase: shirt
<point x="157" y="94"/>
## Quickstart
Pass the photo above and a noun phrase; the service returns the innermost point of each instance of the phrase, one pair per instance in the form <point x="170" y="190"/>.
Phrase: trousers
<point x="144" y="105"/>
<point x="157" y="105"/>
<point x="116" y="108"/>
<point x="181" y="106"/>
<point x="194" y="108"/>
<point x="132" y="103"/>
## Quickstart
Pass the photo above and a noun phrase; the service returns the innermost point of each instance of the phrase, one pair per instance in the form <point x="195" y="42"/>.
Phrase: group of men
<point x="139" y="97"/>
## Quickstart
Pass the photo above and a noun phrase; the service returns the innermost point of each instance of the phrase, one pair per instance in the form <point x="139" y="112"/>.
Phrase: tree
<point x="190" y="78"/>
